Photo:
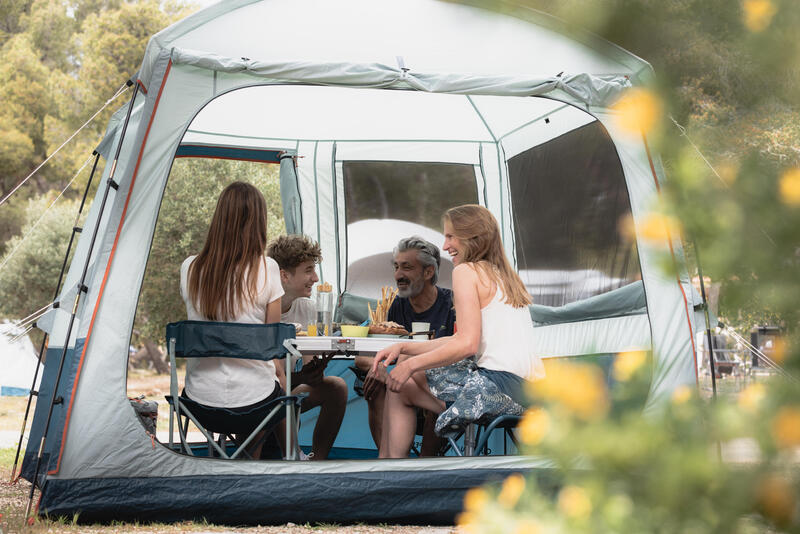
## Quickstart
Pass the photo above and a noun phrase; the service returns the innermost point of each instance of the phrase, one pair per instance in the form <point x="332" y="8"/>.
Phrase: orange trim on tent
<point x="105" y="275"/>
<point x="672" y="252"/>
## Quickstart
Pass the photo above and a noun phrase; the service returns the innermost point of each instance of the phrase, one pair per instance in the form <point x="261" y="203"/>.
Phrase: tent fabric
<point x="97" y="456"/>
<point x="592" y="90"/>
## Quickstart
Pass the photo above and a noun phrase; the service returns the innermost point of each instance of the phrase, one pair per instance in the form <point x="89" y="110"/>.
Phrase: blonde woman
<point x="231" y="280"/>
<point x="494" y="324"/>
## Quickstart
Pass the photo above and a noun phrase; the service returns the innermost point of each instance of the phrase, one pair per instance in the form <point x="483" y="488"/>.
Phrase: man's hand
<point x="399" y="375"/>
<point x="312" y="372"/>
<point x="375" y="382"/>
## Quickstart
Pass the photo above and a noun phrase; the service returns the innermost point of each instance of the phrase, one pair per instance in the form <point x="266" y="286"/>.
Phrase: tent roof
<point x="276" y="116"/>
<point x="429" y="35"/>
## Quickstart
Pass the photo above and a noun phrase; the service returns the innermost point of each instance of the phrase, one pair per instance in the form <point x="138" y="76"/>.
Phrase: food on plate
<point x="301" y="333"/>
<point x="388" y="327"/>
<point x="381" y="311"/>
<point x="324" y="287"/>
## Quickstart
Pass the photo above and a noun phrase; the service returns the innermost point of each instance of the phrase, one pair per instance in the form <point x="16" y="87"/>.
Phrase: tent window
<point x="569" y="197"/>
<point x="389" y="200"/>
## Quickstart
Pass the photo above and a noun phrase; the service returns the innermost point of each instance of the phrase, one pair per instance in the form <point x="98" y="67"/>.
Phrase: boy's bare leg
<point x="330" y="394"/>
<point x="375" y="416"/>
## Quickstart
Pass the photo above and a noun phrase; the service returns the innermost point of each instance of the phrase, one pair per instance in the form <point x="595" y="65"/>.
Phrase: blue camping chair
<point x="202" y="339"/>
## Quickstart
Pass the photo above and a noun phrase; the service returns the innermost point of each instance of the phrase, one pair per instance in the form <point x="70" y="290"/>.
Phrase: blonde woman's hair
<point x="479" y="233"/>
<point x="224" y="276"/>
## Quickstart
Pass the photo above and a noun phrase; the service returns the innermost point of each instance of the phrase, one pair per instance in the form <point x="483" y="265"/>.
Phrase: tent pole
<point x="32" y="392"/>
<point x="708" y="325"/>
<point x="110" y="184"/>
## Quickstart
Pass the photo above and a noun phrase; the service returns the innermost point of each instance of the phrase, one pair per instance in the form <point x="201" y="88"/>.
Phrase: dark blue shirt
<point x="441" y="315"/>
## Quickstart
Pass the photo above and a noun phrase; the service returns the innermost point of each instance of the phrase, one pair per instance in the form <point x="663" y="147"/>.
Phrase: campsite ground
<point x="14" y="497"/>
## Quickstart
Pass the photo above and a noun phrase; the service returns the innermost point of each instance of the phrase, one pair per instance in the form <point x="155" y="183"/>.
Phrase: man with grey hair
<point x="416" y="270"/>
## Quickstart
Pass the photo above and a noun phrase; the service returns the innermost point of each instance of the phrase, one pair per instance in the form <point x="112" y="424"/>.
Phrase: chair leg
<point x="469" y="440"/>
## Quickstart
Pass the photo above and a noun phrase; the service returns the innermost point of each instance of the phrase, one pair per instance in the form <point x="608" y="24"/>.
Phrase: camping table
<point x="346" y="347"/>
<point x="343" y="348"/>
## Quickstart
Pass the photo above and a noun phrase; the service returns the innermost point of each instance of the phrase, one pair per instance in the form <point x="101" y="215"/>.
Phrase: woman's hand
<point x="399" y="375"/>
<point x="388" y="356"/>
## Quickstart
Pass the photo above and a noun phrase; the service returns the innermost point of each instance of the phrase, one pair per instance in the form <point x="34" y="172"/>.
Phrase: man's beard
<point x="412" y="289"/>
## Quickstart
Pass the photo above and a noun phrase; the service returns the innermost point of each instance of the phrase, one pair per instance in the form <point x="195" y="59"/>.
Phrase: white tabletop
<point x="360" y="346"/>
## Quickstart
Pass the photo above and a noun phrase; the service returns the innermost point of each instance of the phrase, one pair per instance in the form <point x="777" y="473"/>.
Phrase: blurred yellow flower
<point x="790" y="187"/>
<point x="627" y="228"/>
<point x="780" y="349"/>
<point x="534" y="426"/>
<point x="638" y="111"/>
<point x="513" y="486"/>
<point x="728" y="172"/>
<point x="527" y="526"/>
<point x="681" y="394"/>
<point x="658" y="228"/>
<point x="751" y="398"/>
<point x="758" y="14"/>
<point x="467" y="523"/>
<point x="786" y="427"/>
<point x="573" y="501"/>
<point x="580" y="388"/>
<point x="475" y="500"/>
<point x="626" y="363"/>
<point x="776" y="499"/>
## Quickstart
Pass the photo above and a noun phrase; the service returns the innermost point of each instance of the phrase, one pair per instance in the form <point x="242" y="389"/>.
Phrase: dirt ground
<point x="14" y="497"/>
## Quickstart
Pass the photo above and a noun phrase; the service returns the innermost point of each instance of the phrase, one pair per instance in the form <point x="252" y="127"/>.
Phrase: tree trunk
<point x="156" y="357"/>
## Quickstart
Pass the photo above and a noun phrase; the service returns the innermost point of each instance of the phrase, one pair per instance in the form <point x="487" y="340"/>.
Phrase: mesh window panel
<point x="389" y="200"/>
<point x="569" y="196"/>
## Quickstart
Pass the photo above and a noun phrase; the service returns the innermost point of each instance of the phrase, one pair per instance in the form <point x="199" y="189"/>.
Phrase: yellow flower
<point x="776" y="499"/>
<point x="790" y="187"/>
<point x="475" y="500"/>
<point x="580" y="388"/>
<point x="779" y="350"/>
<point x="573" y="501"/>
<point x="626" y="363"/>
<point x="751" y="398"/>
<point x="728" y="172"/>
<point x="534" y="426"/>
<point x="527" y="526"/>
<point x="638" y="111"/>
<point x="626" y="228"/>
<point x="681" y="394"/>
<point x="658" y="228"/>
<point x="786" y="427"/>
<point x="513" y="486"/>
<point x="758" y="14"/>
<point x="467" y="523"/>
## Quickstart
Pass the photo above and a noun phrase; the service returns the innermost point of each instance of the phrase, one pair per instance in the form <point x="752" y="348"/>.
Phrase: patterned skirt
<point x="469" y="395"/>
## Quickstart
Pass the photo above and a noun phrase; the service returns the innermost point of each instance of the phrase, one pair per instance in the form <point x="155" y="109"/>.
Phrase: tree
<point x="188" y="204"/>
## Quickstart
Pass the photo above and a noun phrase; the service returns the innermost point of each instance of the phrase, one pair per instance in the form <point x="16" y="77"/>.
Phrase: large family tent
<point x="376" y="111"/>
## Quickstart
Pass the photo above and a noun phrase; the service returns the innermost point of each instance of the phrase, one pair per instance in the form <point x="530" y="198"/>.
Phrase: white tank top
<point x="507" y="340"/>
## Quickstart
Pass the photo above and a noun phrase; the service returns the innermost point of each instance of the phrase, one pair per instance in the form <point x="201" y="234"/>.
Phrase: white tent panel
<point x="504" y="114"/>
<point x="420" y="151"/>
<point x="430" y="36"/>
<point x="328" y="113"/>
<point x="563" y="119"/>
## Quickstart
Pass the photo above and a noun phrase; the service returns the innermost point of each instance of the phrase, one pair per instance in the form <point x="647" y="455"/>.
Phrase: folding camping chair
<point x="476" y="435"/>
<point x="199" y="339"/>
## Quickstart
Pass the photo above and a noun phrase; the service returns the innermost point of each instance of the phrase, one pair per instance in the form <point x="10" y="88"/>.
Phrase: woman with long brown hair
<point x="231" y="280"/>
<point x="494" y="324"/>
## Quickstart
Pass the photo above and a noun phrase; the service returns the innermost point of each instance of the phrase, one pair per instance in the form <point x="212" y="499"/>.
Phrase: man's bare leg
<point x="431" y="442"/>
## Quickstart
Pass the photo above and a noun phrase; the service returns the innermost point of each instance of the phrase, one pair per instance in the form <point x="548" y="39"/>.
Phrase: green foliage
<point x="27" y="281"/>
<point x="620" y="471"/>
<point x="186" y="210"/>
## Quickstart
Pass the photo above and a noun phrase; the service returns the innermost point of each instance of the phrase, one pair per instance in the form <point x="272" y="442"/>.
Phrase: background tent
<point x="345" y="94"/>
<point x="18" y="362"/>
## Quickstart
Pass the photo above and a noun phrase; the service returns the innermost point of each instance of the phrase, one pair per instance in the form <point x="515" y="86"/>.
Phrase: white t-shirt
<point x="302" y="311"/>
<point x="232" y="382"/>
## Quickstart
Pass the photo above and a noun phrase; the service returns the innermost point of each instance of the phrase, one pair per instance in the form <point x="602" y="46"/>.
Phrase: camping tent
<point x="18" y="361"/>
<point x="361" y="102"/>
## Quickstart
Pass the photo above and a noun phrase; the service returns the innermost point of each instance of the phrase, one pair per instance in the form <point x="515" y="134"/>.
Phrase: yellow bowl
<point x="351" y="330"/>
